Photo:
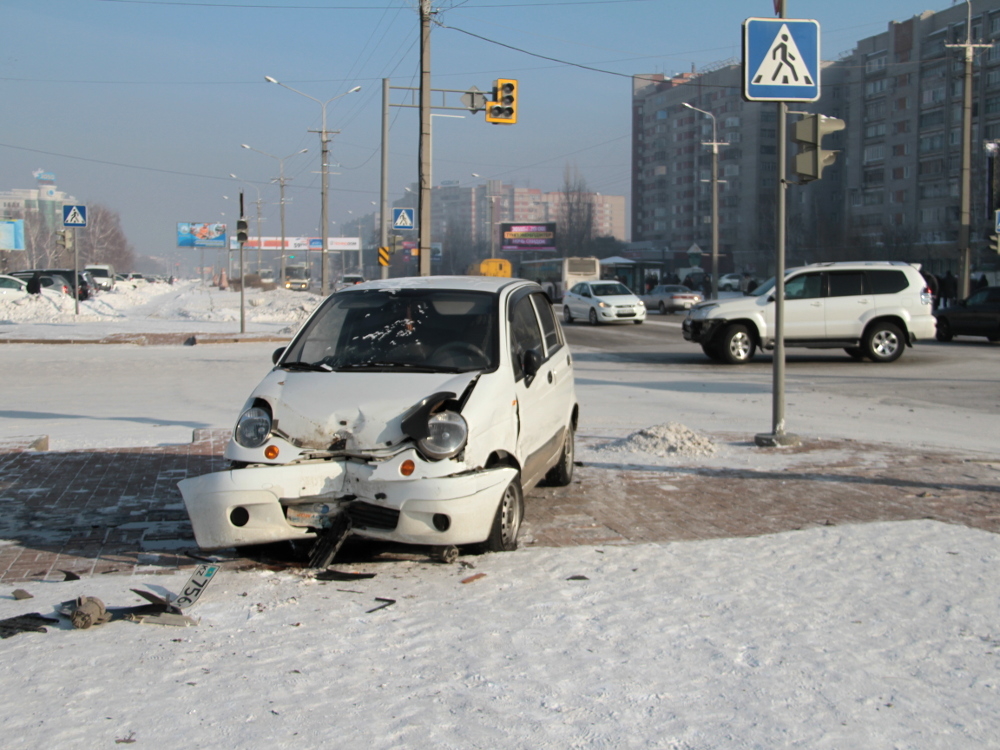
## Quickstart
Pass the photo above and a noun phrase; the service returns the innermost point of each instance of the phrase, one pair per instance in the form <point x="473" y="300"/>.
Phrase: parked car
<point x="55" y="283"/>
<point x="602" y="302"/>
<point x="350" y="279"/>
<point x="66" y="274"/>
<point x="11" y="286"/>
<point x="870" y="309"/>
<point x="979" y="315"/>
<point x="103" y="274"/>
<point x="669" y="297"/>
<point x="730" y="282"/>
<point x="416" y="410"/>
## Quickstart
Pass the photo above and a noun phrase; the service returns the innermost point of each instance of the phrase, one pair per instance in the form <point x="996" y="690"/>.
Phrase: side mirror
<point x="276" y="355"/>
<point x="532" y="363"/>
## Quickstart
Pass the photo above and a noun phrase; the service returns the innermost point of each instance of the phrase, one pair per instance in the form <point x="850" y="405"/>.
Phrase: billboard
<point x="298" y="243"/>
<point x="201" y="235"/>
<point x="12" y="235"/>
<point x="539" y="238"/>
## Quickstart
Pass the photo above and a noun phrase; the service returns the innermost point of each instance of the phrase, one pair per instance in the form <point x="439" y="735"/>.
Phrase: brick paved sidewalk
<point x="92" y="512"/>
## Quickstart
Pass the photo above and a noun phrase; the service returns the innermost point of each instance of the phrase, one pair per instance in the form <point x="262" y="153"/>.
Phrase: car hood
<point x="363" y="409"/>
<point x="619" y="299"/>
<point x="728" y="307"/>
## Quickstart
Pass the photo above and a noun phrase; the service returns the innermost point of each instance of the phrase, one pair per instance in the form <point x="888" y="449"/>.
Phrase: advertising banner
<point x="201" y="235"/>
<point x="12" y="235"/>
<point x="539" y="238"/>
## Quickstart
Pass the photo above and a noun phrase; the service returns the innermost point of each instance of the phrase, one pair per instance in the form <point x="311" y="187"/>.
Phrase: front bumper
<point x="249" y="506"/>
<point x="700" y="331"/>
<point x="612" y="314"/>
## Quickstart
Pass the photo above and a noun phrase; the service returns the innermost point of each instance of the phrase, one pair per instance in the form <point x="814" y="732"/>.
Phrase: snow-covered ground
<point x="873" y="636"/>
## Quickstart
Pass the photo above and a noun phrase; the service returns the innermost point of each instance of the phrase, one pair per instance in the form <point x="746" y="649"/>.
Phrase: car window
<point x="584" y="290"/>
<point x="439" y="329"/>
<point x="806" y="286"/>
<point x="576" y="289"/>
<point x="847" y="283"/>
<point x="609" y="290"/>
<point x="978" y="298"/>
<point x="887" y="281"/>
<point x="524" y="334"/>
<point x="550" y="331"/>
<point x="10" y="284"/>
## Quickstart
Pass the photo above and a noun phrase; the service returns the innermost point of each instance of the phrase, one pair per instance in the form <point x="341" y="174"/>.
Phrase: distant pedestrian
<point x="949" y="289"/>
<point x="35" y="283"/>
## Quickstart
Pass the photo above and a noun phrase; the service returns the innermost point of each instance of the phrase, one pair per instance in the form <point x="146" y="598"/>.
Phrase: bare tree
<point x="103" y="240"/>
<point x="576" y="215"/>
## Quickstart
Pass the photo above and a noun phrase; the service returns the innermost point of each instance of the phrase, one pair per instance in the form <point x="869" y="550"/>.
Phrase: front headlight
<point x="253" y="427"/>
<point x="447" y="432"/>
<point x="602" y="304"/>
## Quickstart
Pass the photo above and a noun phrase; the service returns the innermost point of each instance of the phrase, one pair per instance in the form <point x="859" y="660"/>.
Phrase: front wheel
<point x="943" y="330"/>
<point x="507" y="522"/>
<point x="567" y="315"/>
<point x="855" y="352"/>
<point x="663" y="308"/>
<point x="712" y="351"/>
<point x="737" y="346"/>
<point x="884" y="342"/>
<point x="593" y="317"/>
<point x="637" y="322"/>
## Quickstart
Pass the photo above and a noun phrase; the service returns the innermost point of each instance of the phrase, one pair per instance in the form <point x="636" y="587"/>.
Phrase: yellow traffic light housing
<point x="812" y="158"/>
<point x="503" y="109"/>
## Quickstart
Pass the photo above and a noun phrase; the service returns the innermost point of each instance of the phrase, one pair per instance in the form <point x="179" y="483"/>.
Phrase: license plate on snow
<point x="195" y="585"/>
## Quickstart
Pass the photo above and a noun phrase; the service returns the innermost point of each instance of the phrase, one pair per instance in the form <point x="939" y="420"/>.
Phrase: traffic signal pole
<point x="424" y="197"/>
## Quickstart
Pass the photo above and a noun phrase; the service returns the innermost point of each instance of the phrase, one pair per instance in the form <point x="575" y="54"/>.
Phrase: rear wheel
<point x="663" y="308"/>
<point x="561" y="474"/>
<point x="507" y="522"/>
<point x="737" y="345"/>
<point x="884" y="342"/>
<point x="943" y="330"/>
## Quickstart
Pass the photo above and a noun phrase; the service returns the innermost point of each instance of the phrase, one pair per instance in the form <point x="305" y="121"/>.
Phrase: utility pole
<point x="715" y="199"/>
<point x="383" y="216"/>
<point x="424" y="196"/>
<point x="965" y="184"/>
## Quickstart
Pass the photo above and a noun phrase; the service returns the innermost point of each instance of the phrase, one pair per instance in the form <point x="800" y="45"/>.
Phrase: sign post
<point x="780" y="64"/>
<point x="73" y="217"/>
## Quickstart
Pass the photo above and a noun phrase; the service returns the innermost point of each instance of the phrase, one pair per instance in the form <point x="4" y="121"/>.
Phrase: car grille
<point x="624" y="312"/>
<point x="368" y="516"/>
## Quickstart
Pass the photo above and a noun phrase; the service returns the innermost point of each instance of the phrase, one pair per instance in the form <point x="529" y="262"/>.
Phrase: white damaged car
<point x="414" y="410"/>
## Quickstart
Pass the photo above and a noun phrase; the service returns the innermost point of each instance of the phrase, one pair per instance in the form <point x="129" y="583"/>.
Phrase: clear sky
<point x="142" y="105"/>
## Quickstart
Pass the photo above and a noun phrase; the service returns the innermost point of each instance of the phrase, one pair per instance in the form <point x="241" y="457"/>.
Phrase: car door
<point x="539" y="429"/>
<point x="804" y="316"/>
<point x="848" y="305"/>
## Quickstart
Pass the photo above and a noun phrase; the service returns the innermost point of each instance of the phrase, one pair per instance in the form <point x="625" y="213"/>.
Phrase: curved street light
<point x="715" y="201"/>
<point x="281" y="185"/>
<point x="323" y="141"/>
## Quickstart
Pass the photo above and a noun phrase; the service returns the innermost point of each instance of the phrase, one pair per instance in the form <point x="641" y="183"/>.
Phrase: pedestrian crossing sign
<point x="781" y="60"/>
<point x="402" y="218"/>
<point x="74" y="216"/>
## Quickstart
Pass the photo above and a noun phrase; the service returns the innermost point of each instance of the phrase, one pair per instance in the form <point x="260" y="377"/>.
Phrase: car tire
<point x="507" y="521"/>
<point x="855" y="352"/>
<point x="663" y="309"/>
<point x="883" y="342"/>
<point x="567" y="315"/>
<point x="737" y="345"/>
<point x="561" y="474"/>
<point x="593" y="317"/>
<point x="637" y="322"/>
<point x="712" y="352"/>
<point x="943" y="330"/>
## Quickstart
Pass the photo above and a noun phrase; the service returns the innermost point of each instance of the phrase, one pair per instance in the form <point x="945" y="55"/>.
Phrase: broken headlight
<point x="447" y="432"/>
<point x="253" y="427"/>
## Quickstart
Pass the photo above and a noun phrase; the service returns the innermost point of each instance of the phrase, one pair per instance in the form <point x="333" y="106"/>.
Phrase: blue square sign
<point x="780" y="60"/>
<point x="402" y="218"/>
<point x="74" y="216"/>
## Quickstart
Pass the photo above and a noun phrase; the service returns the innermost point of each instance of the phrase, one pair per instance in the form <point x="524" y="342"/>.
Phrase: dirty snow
<point x="880" y="635"/>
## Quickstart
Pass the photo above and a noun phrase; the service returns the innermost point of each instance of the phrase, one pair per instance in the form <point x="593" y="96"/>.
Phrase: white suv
<point x="870" y="309"/>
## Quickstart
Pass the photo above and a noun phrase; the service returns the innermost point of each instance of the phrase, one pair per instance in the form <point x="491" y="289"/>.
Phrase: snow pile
<point x="663" y="439"/>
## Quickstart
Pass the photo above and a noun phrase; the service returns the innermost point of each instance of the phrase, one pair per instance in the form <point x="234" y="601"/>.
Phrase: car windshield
<point x="428" y="330"/>
<point x="763" y="289"/>
<point x="609" y="290"/>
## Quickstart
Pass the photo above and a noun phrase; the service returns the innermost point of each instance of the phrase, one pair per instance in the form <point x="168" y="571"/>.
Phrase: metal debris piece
<point x="34" y="622"/>
<point x="386" y="603"/>
<point x="89" y="611"/>
<point x="476" y="577"/>
<point x="329" y="541"/>
<point x="22" y="594"/>
<point x="578" y="578"/>
<point x="70" y="575"/>
<point x="338" y="575"/>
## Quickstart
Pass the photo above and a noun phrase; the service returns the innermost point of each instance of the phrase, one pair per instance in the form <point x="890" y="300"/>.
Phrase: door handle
<point x="551" y="376"/>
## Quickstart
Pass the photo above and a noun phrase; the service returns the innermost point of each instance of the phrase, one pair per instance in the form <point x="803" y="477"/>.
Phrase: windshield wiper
<point x="388" y="365"/>
<point x="307" y="366"/>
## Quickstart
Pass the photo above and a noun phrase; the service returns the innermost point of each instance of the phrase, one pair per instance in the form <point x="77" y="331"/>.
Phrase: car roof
<point x="489" y="284"/>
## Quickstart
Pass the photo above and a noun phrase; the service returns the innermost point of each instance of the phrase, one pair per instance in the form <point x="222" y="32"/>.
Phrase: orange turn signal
<point x="271" y="452"/>
<point x="406" y="468"/>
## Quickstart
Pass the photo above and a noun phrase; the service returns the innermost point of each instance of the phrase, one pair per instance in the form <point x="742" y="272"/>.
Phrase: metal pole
<point x="324" y="284"/>
<point x="243" y="278"/>
<point x="715" y="212"/>
<point x="424" y="196"/>
<point x="778" y="436"/>
<point x="71" y="232"/>
<point x="281" y="200"/>
<point x="383" y="230"/>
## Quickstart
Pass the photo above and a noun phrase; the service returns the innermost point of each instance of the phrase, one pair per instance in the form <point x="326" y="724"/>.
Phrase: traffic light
<point x="994" y="243"/>
<point x="61" y="240"/>
<point x="242" y="234"/>
<point x="503" y="109"/>
<point x="812" y="159"/>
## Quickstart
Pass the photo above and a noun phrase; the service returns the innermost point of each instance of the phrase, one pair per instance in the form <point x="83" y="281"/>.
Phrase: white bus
<point x="556" y="275"/>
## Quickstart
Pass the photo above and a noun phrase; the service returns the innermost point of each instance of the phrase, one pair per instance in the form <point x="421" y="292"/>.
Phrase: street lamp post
<point x="323" y="140"/>
<point x="281" y="185"/>
<point x="715" y="201"/>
